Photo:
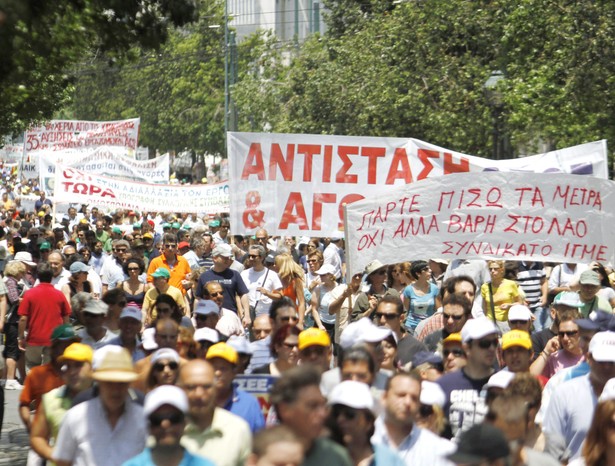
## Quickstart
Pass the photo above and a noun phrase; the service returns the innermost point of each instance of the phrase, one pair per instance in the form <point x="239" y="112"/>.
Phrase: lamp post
<point x="496" y="103"/>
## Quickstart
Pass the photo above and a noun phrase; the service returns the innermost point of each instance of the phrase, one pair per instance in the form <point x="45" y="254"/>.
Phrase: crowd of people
<point x="128" y="334"/>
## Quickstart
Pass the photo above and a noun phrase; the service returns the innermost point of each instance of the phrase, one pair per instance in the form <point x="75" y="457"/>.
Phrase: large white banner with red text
<point x="75" y="186"/>
<point x="495" y="215"/>
<point x="298" y="183"/>
<point x="105" y="160"/>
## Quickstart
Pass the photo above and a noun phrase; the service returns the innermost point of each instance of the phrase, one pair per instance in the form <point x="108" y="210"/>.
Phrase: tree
<point x="42" y="41"/>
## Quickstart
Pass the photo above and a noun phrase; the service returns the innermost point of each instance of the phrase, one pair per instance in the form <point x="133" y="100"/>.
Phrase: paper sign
<point x="258" y="386"/>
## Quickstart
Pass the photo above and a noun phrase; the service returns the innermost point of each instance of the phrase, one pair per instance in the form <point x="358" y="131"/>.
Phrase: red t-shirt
<point x="45" y="308"/>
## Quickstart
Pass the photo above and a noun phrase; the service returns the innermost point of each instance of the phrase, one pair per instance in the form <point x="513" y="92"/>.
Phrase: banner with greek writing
<point x="107" y="161"/>
<point x="297" y="183"/>
<point x="75" y="186"/>
<point x="494" y="215"/>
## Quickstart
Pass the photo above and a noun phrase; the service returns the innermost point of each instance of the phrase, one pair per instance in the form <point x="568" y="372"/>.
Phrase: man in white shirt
<point x="263" y="284"/>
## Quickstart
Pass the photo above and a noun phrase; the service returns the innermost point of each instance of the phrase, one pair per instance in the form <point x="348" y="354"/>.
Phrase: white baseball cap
<point x="602" y="347"/>
<point x="239" y="344"/>
<point x="608" y="392"/>
<point x="206" y="306"/>
<point x="500" y="379"/>
<point x="432" y="394"/>
<point x="475" y="329"/>
<point x="353" y="394"/>
<point x="519" y="312"/>
<point x="165" y="353"/>
<point x="148" y="342"/>
<point x="325" y="270"/>
<point x="207" y="334"/>
<point x="165" y="395"/>
<point x="363" y="331"/>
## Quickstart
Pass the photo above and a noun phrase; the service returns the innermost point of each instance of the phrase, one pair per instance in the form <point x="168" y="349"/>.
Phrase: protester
<point x="421" y="296"/>
<point x="482" y="444"/>
<point x="164" y="368"/>
<point x="160" y="278"/>
<point x="284" y="348"/>
<point x="375" y="276"/>
<point x="276" y="446"/>
<point x="229" y="322"/>
<point x="499" y="294"/>
<point x="599" y="446"/>
<point x="134" y="289"/>
<point x="263" y="284"/>
<point x="110" y="419"/>
<point x="130" y="328"/>
<point x="292" y="278"/>
<point x="315" y="348"/>
<point x="165" y="410"/>
<point x="94" y="332"/>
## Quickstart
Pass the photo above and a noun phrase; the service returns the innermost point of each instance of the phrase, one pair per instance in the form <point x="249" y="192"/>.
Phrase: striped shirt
<point x="530" y="279"/>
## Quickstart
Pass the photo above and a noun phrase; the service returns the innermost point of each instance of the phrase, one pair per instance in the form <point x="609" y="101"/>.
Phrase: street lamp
<point x="496" y="103"/>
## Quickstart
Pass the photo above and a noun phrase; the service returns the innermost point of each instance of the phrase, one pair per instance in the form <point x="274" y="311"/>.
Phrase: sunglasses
<point x="341" y="410"/>
<point x="133" y="269"/>
<point x="380" y="315"/>
<point x="170" y="246"/>
<point x="159" y="366"/>
<point x="92" y="315"/>
<point x="290" y="345"/>
<point x="569" y="334"/>
<point x="201" y="316"/>
<point x="425" y="410"/>
<point x="486" y="344"/>
<point x="214" y="294"/>
<point x="156" y="420"/>
<point x="289" y="318"/>
<point x="120" y="250"/>
<point x="451" y="316"/>
<point x="312" y="260"/>
<point x="457" y="352"/>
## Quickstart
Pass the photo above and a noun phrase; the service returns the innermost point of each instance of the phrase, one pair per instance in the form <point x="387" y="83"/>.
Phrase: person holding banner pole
<point x="499" y="295"/>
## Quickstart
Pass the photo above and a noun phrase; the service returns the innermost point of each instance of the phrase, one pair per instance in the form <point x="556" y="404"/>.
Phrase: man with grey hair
<point x="195" y="255"/>
<point x="112" y="271"/>
<point x="94" y="333"/>
<point x="263" y="284"/>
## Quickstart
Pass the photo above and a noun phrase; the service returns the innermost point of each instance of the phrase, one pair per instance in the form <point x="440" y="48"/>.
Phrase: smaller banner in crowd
<point x="297" y="184"/>
<point x="76" y="186"/>
<point x="58" y="135"/>
<point x="107" y="161"/>
<point x="491" y="215"/>
<point x="259" y="387"/>
<point x="11" y="153"/>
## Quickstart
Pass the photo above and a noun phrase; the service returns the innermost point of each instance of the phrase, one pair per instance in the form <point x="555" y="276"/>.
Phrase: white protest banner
<point x="107" y="161"/>
<point x="12" y="153"/>
<point x="60" y="135"/>
<point x="75" y="186"/>
<point x="297" y="184"/>
<point x="494" y="215"/>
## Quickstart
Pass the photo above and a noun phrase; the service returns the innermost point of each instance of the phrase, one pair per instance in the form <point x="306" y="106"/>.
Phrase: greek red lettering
<point x="493" y="197"/>
<point x="424" y="155"/>
<point x="254" y="163"/>
<point x="342" y="175"/>
<point x="347" y="199"/>
<point x="372" y="154"/>
<point x="451" y="167"/>
<point x="399" y="168"/>
<point x="326" y="168"/>
<point x="319" y="199"/>
<point x="413" y="202"/>
<point x="309" y="151"/>
<point x="294" y="212"/>
<point x="284" y="164"/>
<point x="252" y="217"/>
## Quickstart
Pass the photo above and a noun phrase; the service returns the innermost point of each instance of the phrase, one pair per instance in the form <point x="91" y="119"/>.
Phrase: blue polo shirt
<point x="246" y="407"/>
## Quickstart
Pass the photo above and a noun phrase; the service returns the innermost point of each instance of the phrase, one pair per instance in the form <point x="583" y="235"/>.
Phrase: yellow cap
<point x="453" y="338"/>
<point x="77" y="352"/>
<point x="224" y="351"/>
<point x="313" y="337"/>
<point x="516" y="338"/>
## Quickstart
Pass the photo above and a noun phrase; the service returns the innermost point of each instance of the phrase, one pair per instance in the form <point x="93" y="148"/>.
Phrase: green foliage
<point x="41" y="41"/>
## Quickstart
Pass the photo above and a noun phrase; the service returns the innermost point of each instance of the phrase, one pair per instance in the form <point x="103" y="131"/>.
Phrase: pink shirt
<point x="560" y="360"/>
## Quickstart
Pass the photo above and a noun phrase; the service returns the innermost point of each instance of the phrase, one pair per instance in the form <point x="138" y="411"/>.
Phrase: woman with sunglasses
<point x="422" y="296"/>
<point x="165" y="307"/>
<point x="399" y="276"/>
<point x="134" y="289"/>
<point x="375" y="276"/>
<point x="284" y="349"/>
<point x="164" y="368"/>
<point x="321" y="298"/>
<point x="561" y="351"/>
<point x="351" y="422"/>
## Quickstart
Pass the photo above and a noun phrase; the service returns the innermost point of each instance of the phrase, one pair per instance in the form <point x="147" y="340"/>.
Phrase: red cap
<point x="183" y="244"/>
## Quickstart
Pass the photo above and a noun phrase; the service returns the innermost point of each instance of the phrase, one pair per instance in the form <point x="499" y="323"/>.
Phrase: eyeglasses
<point x="159" y="366"/>
<point x="341" y="410"/>
<point x="569" y="334"/>
<point x="133" y="269"/>
<point x="517" y="322"/>
<point x="91" y="315"/>
<point x="486" y="344"/>
<point x="170" y="246"/>
<point x="201" y="316"/>
<point x="120" y="249"/>
<point x="425" y="410"/>
<point x="457" y="352"/>
<point x="175" y="417"/>
<point x="214" y="294"/>
<point x="380" y="315"/>
<point x="312" y="260"/>
<point x="451" y="316"/>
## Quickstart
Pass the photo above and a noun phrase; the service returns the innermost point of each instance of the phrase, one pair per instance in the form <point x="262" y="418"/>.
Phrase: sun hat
<point x="353" y="394"/>
<point x="77" y="352"/>
<point x="222" y="249"/>
<point x="589" y="277"/>
<point x="223" y="351"/>
<point x="568" y="298"/>
<point x="516" y="338"/>
<point x="475" y="329"/>
<point x="313" y="337"/>
<point x="206" y="307"/>
<point x="96" y="306"/>
<point x="372" y="267"/>
<point x="165" y="395"/>
<point x="161" y="272"/>
<point x="25" y="257"/>
<point x="115" y="366"/>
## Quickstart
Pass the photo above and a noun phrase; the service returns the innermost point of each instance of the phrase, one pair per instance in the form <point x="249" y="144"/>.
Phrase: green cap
<point x="116" y="230"/>
<point x="63" y="332"/>
<point x="136" y="226"/>
<point x="45" y="246"/>
<point x="161" y="272"/>
<point x="176" y="225"/>
<point x="166" y="225"/>
<point x="186" y="227"/>
<point x="214" y="223"/>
